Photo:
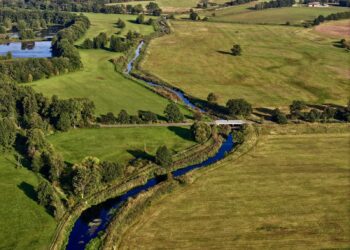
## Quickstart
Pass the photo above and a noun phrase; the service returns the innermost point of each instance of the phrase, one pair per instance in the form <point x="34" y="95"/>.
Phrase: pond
<point x="39" y="49"/>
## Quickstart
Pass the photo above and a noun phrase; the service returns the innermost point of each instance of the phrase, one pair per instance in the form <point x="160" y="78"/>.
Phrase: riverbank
<point x="117" y="189"/>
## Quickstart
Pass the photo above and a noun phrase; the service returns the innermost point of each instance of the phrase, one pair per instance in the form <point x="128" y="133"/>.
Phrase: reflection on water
<point x="27" y="49"/>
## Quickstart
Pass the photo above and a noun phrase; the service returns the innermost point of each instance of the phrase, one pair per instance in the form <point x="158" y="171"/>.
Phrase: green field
<point x="278" y="63"/>
<point x="99" y="81"/>
<point x="24" y="224"/>
<point x="119" y="144"/>
<point x="289" y="192"/>
<point x="294" y="15"/>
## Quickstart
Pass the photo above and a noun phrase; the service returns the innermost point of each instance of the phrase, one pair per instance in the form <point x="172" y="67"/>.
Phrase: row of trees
<point x="95" y="6"/>
<point x="274" y="4"/>
<point x="124" y="118"/>
<point x="172" y="114"/>
<point x="334" y="16"/>
<point x="116" y="43"/>
<point x="299" y="110"/>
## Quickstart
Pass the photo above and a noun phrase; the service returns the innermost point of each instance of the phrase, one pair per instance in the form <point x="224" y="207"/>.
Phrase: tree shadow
<point x="337" y="44"/>
<point x="184" y="133"/>
<point x="20" y="147"/>
<point x="28" y="190"/>
<point x="138" y="153"/>
<point x="224" y="52"/>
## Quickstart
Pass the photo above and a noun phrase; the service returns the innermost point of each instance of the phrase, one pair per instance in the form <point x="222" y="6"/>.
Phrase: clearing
<point x="98" y="80"/>
<point x="290" y="191"/>
<point x="335" y="29"/>
<point x="119" y="144"/>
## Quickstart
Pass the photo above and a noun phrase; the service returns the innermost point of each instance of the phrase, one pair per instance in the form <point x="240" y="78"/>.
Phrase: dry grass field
<point x="278" y="63"/>
<point x="290" y="192"/>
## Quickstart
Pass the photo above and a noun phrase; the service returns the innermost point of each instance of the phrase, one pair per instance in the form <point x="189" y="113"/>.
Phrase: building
<point x="317" y="4"/>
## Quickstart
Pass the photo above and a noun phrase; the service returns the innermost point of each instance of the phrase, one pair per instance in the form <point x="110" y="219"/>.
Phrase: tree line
<point x="113" y="43"/>
<point x="95" y="6"/>
<point x="334" y="16"/>
<point x="65" y="59"/>
<point x="172" y="114"/>
<point x="274" y="4"/>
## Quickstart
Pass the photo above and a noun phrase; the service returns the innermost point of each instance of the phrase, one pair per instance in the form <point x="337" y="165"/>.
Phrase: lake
<point x="40" y="49"/>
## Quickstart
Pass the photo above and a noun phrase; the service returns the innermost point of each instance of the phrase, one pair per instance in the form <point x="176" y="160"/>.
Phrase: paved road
<point x="181" y="124"/>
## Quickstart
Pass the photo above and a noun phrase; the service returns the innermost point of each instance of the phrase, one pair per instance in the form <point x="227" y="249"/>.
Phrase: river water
<point x="96" y="219"/>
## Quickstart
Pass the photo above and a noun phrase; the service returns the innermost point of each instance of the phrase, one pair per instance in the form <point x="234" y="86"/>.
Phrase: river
<point x="96" y="219"/>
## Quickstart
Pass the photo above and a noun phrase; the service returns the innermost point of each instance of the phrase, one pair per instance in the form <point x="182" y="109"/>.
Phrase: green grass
<point x="98" y="80"/>
<point x="289" y="192"/>
<point x="294" y="15"/>
<point x="278" y="63"/>
<point x="119" y="144"/>
<point x="24" y="224"/>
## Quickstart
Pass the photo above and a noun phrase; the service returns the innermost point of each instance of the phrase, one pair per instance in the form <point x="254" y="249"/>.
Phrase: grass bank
<point x="289" y="191"/>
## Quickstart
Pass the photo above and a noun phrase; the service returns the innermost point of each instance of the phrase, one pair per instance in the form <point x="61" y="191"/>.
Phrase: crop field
<point x="278" y="63"/>
<point x="99" y="81"/>
<point x="293" y="15"/>
<point x="24" y="224"/>
<point x="289" y="192"/>
<point x="119" y="144"/>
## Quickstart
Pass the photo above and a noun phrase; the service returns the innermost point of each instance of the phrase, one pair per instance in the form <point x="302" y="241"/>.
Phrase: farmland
<point x="291" y="190"/>
<point x="119" y="144"/>
<point x="278" y="63"/>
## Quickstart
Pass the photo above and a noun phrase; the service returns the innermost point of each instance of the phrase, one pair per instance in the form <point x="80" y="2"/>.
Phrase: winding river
<point x="96" y="219"/>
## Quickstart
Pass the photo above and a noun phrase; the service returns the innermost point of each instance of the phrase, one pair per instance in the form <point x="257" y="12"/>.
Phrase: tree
<point x="194" y="16"/>
<point x="236" y="50"/>
<point x="86" y="177"/>
<point x="153" y="9"/>
<point x="111" y="171"/>
<point x="212" y="98"/>
<point x="173" y="113"/>
<point x="123" y="117"/>
<point x="296" y="106"/>
<point x="64" y="122"/>
<point x="164" y="156"/>
<point x="279" y="117"/>
<point x="140" y="19"/>
<point x="147" y="116"/>
<point x="120" y="24"/>
<point x="44" y="194"/>
<point x="238" y="107"/>
<point x="7" y="133"/>
<point x="2" y="29"/>
<point x="200" y="131"/>
<point x="88" y="44"/>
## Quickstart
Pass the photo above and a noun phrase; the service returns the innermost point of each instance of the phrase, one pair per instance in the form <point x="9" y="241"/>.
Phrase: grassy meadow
<point x="24" y="224"/>
<point x="278" y="63"/>
<point x="288" y="192"/>
<point x="98" y="80"/>
<point x="119" y="144"/>
<point x="293" y="15"/>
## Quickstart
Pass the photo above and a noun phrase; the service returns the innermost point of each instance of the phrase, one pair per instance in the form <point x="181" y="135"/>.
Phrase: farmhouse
<point x="317" y="4"/>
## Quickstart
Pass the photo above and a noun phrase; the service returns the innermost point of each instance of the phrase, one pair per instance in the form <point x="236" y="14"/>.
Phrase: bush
<point x="200" y="132"/>
<point x="236" y="50"/>
<point x="238" y="107"/>
<point x="163" y="157"/>
<point x="279" y="117"/>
